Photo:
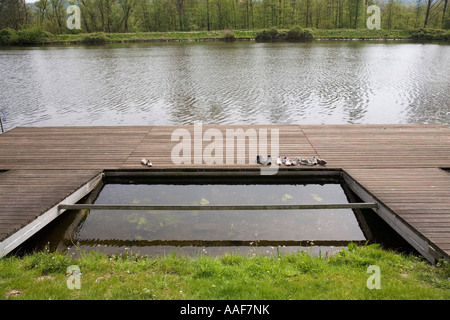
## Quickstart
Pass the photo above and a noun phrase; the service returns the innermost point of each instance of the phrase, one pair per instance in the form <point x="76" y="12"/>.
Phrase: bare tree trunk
<point x="308" y="3"/>
<point x="208" y="22"/>
<point x="356" y="14"/>
<point x="427" y="13"/>
<point x="127" y="8"/>
<point x="443" y="12"/>
<point x="179" y="4"/>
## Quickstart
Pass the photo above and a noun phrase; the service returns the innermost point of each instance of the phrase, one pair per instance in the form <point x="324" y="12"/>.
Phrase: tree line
<point x="113" y="16"/>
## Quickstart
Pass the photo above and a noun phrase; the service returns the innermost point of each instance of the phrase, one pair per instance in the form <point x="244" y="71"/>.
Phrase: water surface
<point x="214" y="231"/>
<point x="226" y="83"/>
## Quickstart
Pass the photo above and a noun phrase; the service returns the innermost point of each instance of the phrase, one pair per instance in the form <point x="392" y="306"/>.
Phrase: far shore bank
<point x="318" y="35"/>
<point x="44" y="38"/>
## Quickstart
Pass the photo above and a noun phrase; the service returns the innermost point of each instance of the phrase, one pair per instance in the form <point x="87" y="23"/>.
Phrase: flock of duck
<point x="287" y="162"/>
<point x="268" y="161"/>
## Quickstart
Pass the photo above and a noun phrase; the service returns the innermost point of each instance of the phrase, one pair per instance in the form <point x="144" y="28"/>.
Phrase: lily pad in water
<point x="286" y="197"/>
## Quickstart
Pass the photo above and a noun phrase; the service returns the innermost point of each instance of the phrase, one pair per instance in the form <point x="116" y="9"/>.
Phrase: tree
<point x="354" y="13"/>
<point x="127" y="7"/>
<point x="432" y="9"/>
<point x="14" y="14"/>
<point x="88" y="13"/>
<point x="57" y="16"/>
<point x="443" y="12"/>
<point x="179" y="4"/>
<point x="208" y="16"/>
<point x="427" y="14"/>
<point x="42" y="6"/>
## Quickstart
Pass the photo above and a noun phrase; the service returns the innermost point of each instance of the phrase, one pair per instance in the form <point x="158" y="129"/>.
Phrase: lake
<point x="336" y="82"/>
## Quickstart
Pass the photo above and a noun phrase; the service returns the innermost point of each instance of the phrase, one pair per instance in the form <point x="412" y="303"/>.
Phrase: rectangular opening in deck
<point x="216" y="212"/>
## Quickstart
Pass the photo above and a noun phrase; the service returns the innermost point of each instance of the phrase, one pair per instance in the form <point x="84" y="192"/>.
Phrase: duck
<point x="287" y="161"/>
<point x="146" y="162"/>
<point x="260" y="160"/>
<point x="279" y="161"/>
<point x="305" y="162"/>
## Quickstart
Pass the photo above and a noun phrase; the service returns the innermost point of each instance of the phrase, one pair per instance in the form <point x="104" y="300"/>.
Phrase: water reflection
<point x="226" y="83"/>
<point x="219" y="231"/>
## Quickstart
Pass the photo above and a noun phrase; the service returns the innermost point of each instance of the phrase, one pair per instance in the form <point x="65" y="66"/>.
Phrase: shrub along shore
<point x="37" y="36"/>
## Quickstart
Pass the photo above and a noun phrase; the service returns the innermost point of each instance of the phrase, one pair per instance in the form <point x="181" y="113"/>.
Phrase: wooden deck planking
<point x="399" y="164"/>
<point x="157" y="146"/>
<point x="375" y="146"/>
<point x="419" y="196"/>
<point x="23" y="199"/>
<point x="69" y="147"/>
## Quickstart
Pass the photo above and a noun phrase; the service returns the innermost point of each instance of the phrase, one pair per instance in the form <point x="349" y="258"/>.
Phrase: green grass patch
<point x="225" y="35"/>
<point x="360" y="34"/>
<point x="42" y="275"/>
<point x="36" y="36"/>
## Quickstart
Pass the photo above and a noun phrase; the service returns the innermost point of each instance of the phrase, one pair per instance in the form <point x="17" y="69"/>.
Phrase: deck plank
<point x="21" y="202"/>
<point x="398" y="164"/>
<point x="419" y="196"/>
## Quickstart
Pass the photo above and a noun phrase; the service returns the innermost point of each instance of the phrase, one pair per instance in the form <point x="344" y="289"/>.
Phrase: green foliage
<point x="267" y="35"/>
<point x="446" y="24"/>
<point x="27" y="36"/>
<point x="430" y="34"/>
<point x="8" y="36"/>
<point x="228" y="35"/>
<point x="299" y="34"/>
<point x="294" y="34"/>
<point x="31" y="36"/>
<point x="94" y="38"/>
<point x="124" y="16"/>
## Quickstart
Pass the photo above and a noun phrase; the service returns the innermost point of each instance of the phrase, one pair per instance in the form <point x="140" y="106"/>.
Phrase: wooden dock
<point x="402" y="168"/>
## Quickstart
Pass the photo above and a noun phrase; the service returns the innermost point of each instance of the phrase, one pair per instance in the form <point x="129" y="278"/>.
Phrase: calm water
<point x="226" y="83"/>
<point x="220" y="231"/>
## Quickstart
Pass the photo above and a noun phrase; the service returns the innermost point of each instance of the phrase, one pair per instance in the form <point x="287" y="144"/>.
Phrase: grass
<point x="362" y="34"/>
<point x="339" y="34"/>
<point x="157" y="36"/>
<point x="42" y="276"/>
<point x="36" y="35"/>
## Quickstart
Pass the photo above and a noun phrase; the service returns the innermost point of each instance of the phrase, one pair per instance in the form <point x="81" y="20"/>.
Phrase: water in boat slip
<point x="209" y="232"/>
<point x="115" y="229"/>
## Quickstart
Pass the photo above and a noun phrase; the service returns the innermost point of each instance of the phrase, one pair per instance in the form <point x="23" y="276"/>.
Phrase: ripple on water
<point x="226" y="83"/>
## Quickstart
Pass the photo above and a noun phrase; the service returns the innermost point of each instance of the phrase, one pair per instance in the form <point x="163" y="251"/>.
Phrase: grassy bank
<point x="283" y="276"/>
<point x="148" y="37"/>
<point x="313" y="34"/>
<point x="36" y="36"/>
